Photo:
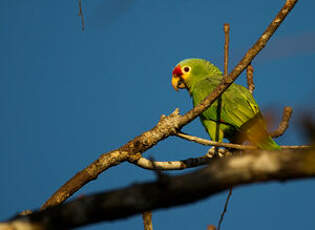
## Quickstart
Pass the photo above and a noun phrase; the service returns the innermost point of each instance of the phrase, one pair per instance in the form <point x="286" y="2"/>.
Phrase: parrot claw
<point x="221" y="153"/>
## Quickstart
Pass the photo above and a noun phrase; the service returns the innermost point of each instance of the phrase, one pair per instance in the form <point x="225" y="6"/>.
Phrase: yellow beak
<point x="178" y="78"/>
<point x="175" y="80"/>
<point x="178" y="82"/>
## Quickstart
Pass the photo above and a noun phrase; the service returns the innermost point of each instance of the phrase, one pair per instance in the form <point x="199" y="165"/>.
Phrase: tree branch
<point x="167" y="125"/>
<point x="81" y="15"/>
<point x="220" y="175"/>
<point x="250" y="78"/>
<point x="230" y="145"/>
<point x="284" y="124"/>
<point x="226" y="29"/>
<point x="130" y="151"/>
<point x="224" y="209"/>
<point x="147" y="220"/>
<point x="213" y="143"/>
<point x="171" y="165"/>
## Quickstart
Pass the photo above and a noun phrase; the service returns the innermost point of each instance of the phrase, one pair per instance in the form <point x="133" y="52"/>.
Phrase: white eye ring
<point x="186" y="69"/>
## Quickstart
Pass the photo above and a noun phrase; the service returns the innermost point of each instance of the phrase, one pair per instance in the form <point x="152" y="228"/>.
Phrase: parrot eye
<point x="186" y="69"/>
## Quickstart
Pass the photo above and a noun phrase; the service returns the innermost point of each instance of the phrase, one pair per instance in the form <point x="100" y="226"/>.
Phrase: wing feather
<point x="238" y="105"/>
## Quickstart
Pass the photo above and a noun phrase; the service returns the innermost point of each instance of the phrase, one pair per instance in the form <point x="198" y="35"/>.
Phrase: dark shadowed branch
<point x="168" y="125"/>
<point x="220" y="175"/>
<point x="81" y="15"/>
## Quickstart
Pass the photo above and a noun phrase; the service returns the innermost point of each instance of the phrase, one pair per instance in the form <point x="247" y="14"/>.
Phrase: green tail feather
<point x="255" y="131"/>
<point x="268" y="144"/>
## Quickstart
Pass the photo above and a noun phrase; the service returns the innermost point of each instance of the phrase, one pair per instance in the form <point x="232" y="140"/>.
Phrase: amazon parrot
<point x="240" y="118"/>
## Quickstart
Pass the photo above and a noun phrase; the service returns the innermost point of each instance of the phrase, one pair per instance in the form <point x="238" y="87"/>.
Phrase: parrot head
<point x="189" y="71"/>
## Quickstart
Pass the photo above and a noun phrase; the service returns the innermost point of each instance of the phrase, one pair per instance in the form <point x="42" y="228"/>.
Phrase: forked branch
<point x="168" y="125"/>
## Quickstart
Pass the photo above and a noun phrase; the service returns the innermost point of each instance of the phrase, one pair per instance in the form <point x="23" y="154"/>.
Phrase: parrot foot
<point x="220" y="153"/>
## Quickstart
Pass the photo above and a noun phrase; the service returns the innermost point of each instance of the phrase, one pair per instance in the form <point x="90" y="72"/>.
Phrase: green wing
<point x="239" y="114"/>
<point x="238" y="105"/>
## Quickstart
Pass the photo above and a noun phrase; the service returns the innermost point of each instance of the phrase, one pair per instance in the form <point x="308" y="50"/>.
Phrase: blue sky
<point x="67" y="96"/>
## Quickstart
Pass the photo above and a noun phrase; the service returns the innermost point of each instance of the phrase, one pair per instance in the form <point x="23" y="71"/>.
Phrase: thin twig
<point x="147" y="220"/>
<point x="167" y="125"/>
<point x="179" y="165"/>
<point x="213" y="143"/>
<point x="230" y="145"/>
<point x="81" y="15"/>
<point x="226" y="60"/>
<point x="217" y="124"/>
<point x="154" y="165"/>
<point x="296" y="147"/>
<point x="250" y="78"/>
<point x="172" y="165"/>
<point x="226" y="29"/>
<point x="225" y="208"/>
<point x="284" y="124"/>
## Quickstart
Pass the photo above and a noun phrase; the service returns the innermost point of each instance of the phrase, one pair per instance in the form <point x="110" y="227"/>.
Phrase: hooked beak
<point x="177" y="79"/>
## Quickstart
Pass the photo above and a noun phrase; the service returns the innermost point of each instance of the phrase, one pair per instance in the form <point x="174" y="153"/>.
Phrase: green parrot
<point x="240" y="119"/>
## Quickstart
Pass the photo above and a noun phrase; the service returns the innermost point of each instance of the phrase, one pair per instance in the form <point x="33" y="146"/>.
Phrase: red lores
<point x="177" y="71"/>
